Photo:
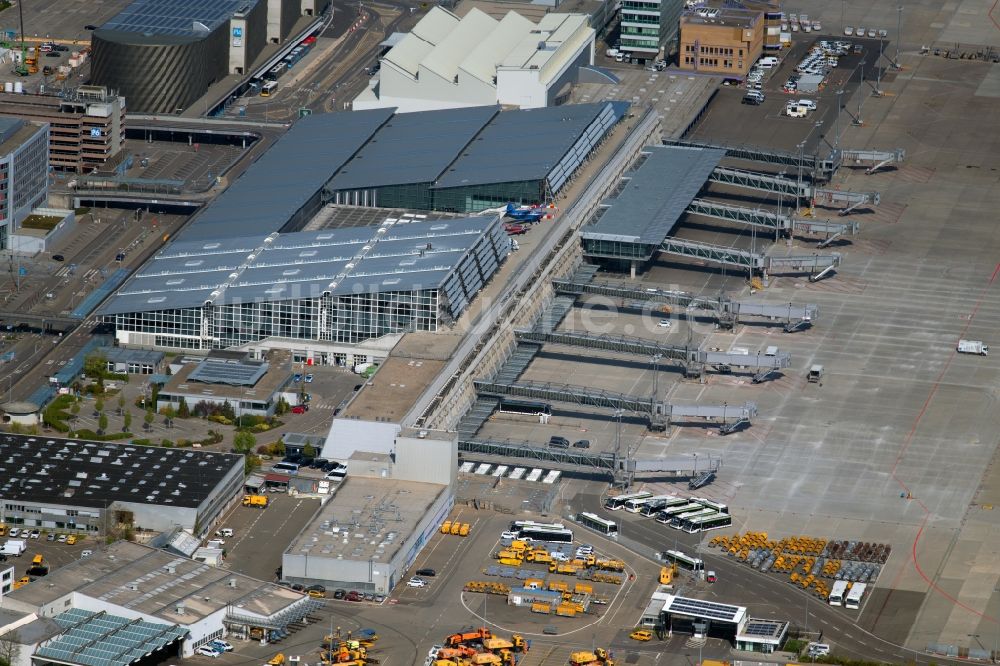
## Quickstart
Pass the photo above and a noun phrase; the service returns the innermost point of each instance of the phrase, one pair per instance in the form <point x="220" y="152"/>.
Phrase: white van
<point x="767" y="62"/>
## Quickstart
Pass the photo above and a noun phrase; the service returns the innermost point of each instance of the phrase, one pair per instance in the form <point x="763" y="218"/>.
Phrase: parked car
<point x="297" y="377"/>
<point x="316" y="588"/>
<point x="581" y="444"/>
<point x="416" y="582"/>
<point x="299" y="409"/>
<point x="208" y="651"/>
<point x="222" y="645"/>
<point x="86" y="553"/>
<point x="35" y="534"/>
<point x="308" y="379"/>
<point x="430" y="573"/>
<point x="51" y="536"/>
<point x="557" y="442"/>
<point x="354" y="595"/>
<point x="710" y="576"/>
<point x="339" y="593"/>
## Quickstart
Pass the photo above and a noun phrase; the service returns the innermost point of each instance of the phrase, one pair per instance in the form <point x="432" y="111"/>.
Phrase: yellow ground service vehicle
<point x="667" y="574"/>
<point x="641" y="635"/>
<point x="71" y="539"/>
<point x="464" y="530"/>
<point x="455" y="528"/>
<point x="259" y="501"/>
<point x="446" y="527"/>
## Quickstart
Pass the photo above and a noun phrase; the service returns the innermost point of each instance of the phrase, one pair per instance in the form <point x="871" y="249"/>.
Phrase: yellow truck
<point x="456" y="527"/>
<point x="464" y="530"/>
<point x="446" y="527"/>
<point x="259" y="501"/>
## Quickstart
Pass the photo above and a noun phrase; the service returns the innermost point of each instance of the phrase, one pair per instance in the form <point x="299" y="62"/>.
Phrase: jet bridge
<point x="574" y="460"/>
<point x="728" y="311"/>
<point x="773" y="184"/>
<point x="659" y="414"/>
<point x="772" y="221"/>
<point x="818" y="169"/>
<point x="694" y="361"/>
<point x="873" y="159"/>
<point x="817" y="266"/>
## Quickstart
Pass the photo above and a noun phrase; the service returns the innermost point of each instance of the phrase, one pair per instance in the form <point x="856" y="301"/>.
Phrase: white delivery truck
<point x="14" y="547"/>
<point x="973" y="347"/>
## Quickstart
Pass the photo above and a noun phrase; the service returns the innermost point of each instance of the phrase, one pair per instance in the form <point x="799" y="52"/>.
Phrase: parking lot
<point x="251" y="549"/>
<point x="55" y="554"/>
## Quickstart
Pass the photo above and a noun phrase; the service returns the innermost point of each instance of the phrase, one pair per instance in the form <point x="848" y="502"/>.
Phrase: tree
<point x="281" y="407"/>
<point x="99" y="405"/>
<point x="75" y="409"/>
<point x="149" y="418"/>
<point x="102" y="422"/>
<point x="227" y="411"/>
<point x="309" y="451"/>
<point x="250" y="463"/>
<point x="121" y="404"/>
<point x="10" y="648"/>
<point x="244" y="442"/>
<point x="182" y="409"/>
<point x="128" y="421"/>
<point x="95" y="365"/>
<point x="169" y="412"/>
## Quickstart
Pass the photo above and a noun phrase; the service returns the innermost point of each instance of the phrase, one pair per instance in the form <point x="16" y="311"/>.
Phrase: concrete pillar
<point x="632" y="269"/>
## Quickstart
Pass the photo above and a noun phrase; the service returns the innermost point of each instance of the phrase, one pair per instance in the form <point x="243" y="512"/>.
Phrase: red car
<point x="354" y="596"/>
<point x="515" y="229"/>
<point x="311" y="39"/>
<point x="300" y="409"/>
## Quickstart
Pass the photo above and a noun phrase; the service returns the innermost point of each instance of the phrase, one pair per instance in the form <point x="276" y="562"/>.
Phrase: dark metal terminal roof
<point x="278" y="184"/>
<point x="656" y="195"/>
<point x="413" y="148"/>
<point x="523" y="145"/>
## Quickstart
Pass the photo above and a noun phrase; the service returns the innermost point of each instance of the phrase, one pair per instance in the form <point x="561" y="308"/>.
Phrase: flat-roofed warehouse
<point x="82" y="486"/>
<point x="143" y="584"/>
<point x="162" y="56"/>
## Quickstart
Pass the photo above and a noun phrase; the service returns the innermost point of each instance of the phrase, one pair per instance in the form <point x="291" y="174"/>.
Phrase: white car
<point x="860" y="31"/>
<point x="222" y="645"/>
<point x="35" y="534"/>
<point x="665" y="323"/>
<point x="86" y="553"/>
<point x="207" y="651"/>
<point x="818" y="649"/>
<point x="796" y="112"/>
<point x="559" y="556"/>
<point x="508" y="535"/>
<point x="871" y="33"/>
<point x="14" y="531"/>
<point x="416" y="582"/>
<point x="848" y="31"/>
<point x="883" y="33"/>
<point x="225" y="532"/>
<point x="807" y="103"/>
<point x="817" y="26"/>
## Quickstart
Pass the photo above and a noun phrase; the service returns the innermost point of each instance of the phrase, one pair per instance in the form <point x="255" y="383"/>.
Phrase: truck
<point x="15" y="547"/>
<point x="255" y="500"/>
<point x="815" y="375"/>
<point x="973" y="347"/>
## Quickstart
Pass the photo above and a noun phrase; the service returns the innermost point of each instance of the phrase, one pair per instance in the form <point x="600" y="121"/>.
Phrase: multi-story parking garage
<point x="163" y="56"/>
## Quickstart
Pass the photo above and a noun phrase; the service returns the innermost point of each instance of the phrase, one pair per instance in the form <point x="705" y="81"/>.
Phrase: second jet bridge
<point x="774" y="184"/>
<point x="693" y="360"/>
<point x="772" y="221"/>
<point x="660" y="414"/>
<point x="727" y="311"/>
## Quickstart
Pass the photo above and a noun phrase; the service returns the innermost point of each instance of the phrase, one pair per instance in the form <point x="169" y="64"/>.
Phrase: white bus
<point x="853" y="599"/>
<point x="635" y="505"/>
<point x="666" y="515"/>
<point x="595" y="522"/>
<point x="684" y="561"/>
<point x="709" y="504"/>
<point x="705" y="523"/>
<point x="680" y="521"/>
<point x="618" y="502"/>
<point x="268" y="88"/>
<point x="530" y="530"/>
<point x="657" y="504"/>
<point x="837" y="593"/>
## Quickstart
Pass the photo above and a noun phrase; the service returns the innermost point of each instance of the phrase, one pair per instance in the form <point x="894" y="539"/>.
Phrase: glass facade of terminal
<point x="471" y="199"/>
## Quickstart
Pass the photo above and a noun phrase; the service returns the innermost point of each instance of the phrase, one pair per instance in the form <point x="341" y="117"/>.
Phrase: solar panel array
<point x="766" y="628"/>
<point x="177" y="17"/>
<point x="703" y="609"/>
<point x="212" y="371"/>
<point x="99" y="639"/>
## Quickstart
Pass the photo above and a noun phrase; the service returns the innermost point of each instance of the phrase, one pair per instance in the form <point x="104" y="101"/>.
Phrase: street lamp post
<point x="899" y="34"/>
<point x="836" y="136"/>
<point x="878" y="68"/>
<point x="861" y="94"/>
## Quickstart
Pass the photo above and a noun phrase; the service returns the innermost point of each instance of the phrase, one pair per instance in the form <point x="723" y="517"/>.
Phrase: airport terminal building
<point x="162" y="56"/>
<point x="244" y="270"/>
